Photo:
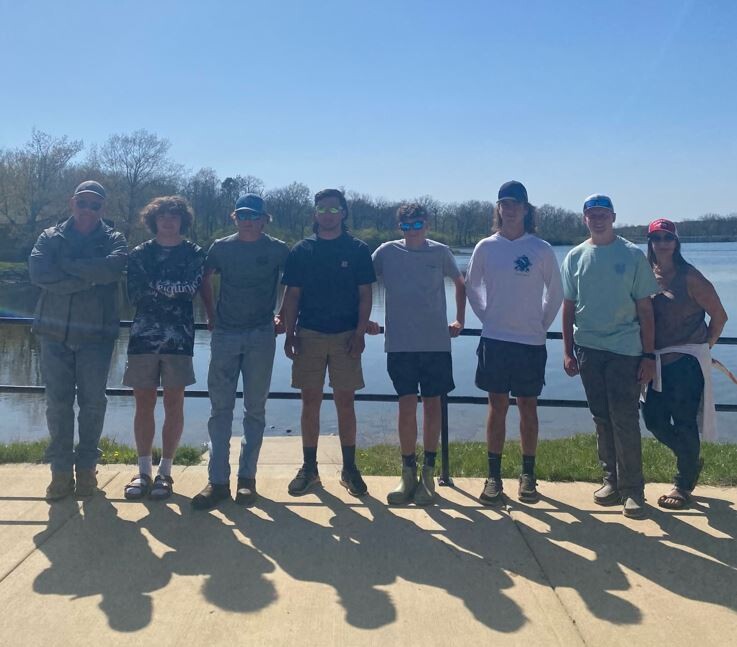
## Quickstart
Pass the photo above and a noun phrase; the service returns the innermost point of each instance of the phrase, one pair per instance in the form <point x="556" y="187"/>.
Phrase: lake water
<point x="23" y="416"/>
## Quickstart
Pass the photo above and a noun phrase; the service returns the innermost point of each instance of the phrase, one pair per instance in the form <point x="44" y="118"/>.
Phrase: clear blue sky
<point x="399" y="98"/>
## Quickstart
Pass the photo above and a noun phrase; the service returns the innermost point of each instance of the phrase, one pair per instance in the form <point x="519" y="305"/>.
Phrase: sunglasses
<point x="84" y="204"/>
<point x="416" y="225"/>
<point x="604" y="202"/>
<point x="329" y="210"/>
<point x="248" y="215"/>
<point x="665" y="238"/>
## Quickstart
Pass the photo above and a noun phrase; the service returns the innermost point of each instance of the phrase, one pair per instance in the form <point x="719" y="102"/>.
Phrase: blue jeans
<point x="671" y="416"/>
<point x="249" y="353"/>
<point x="75" y="371"/>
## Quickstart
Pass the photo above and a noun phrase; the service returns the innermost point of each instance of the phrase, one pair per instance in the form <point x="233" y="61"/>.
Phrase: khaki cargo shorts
<point x="151" y="370"/>
<point x="318" y="351"/>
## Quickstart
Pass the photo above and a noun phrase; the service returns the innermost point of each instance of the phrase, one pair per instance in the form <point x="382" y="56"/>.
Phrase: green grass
<point x="112" y="452"/>
<point x="565" y="459"/>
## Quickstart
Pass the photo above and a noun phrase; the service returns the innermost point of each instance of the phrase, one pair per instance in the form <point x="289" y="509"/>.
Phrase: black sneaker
<point x="493" y="491"/>
<point x="305" y="479"/>
<point x="246" y="493"/>
<point x="211" y="495"/>
<point x="351" y="480"/>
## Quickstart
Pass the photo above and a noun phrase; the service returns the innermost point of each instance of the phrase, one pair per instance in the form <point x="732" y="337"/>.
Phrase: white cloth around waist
<point x="706" y="418"/>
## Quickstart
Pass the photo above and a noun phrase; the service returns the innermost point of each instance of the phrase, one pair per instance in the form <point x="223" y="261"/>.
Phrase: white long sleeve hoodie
<point x="514" y="287"/>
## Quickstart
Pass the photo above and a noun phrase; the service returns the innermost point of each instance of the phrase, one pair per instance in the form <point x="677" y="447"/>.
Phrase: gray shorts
<point x="149" y="371"/>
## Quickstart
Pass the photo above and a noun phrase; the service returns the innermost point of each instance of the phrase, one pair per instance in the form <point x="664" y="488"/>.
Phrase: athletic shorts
<point x="151" y="370"/>
<point x="320" y="351"/>
<point x="431" y="371"/>
<point x="508" y="367"/>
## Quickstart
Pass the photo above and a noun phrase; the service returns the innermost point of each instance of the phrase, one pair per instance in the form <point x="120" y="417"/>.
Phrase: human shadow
<point x="98" y="553"/>
<point x="604" y="550"/>
<point x="356" y="555"/>
<point x="202" y="545"/>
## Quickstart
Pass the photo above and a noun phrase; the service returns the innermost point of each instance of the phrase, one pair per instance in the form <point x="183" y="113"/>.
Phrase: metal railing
<point x="359" y="397"/>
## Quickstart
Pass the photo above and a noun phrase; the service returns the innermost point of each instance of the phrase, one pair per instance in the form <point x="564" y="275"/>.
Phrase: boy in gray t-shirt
<point x="243" y="341"/>
<point x="417" y="341"/>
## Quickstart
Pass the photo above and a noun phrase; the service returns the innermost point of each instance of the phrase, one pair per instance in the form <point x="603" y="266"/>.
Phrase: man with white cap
<point x="77" y="264"/>
<point x="609" y="338"/>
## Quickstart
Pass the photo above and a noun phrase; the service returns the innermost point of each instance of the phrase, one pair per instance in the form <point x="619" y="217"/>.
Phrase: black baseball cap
<point x="512" y="190"/>
<point x="90" y="186"/>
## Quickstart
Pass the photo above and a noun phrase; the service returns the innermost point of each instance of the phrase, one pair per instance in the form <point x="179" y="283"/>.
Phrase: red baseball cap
<point x="662" y="224"/>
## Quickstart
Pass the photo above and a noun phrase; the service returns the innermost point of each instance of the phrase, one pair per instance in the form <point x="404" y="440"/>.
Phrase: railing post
<point x="445" y="470"/>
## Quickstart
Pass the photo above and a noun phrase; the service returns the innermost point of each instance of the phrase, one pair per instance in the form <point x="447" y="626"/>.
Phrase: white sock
<point x="165" y="466"/>
<point x="145" y="465"/>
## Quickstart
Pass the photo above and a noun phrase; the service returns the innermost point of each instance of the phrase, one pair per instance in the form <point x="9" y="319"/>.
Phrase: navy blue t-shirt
<point x="329" y="273"/>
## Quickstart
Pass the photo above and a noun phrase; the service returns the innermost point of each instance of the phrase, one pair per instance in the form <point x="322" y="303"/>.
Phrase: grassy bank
<point x="565" y="459"/>
<point x="112" y="452"/>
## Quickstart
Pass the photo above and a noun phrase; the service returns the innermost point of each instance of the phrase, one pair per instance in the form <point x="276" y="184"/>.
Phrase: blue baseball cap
<point x="251" y="202"/>
<point x="598" y="200"/>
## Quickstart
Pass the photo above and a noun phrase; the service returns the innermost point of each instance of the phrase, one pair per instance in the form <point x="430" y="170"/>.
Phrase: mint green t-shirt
<point x="605" y="281"/>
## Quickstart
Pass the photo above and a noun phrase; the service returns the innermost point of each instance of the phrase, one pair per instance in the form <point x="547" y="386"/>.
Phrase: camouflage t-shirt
<point x="162" y="282"/>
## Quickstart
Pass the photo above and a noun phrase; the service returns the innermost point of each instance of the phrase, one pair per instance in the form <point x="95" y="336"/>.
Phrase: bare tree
<point x="203" y="192"/>
<point x="291" y="207"/>
<point x="31" y="181"/>
<point x="133" y="163"/>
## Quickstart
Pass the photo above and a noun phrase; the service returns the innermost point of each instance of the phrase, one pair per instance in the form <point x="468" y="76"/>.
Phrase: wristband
<point x="648" y="356"/>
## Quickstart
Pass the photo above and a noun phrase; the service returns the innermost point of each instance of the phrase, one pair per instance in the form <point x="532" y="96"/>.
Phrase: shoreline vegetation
<point x="36" y="180"/>
<point x="564" y="459"/>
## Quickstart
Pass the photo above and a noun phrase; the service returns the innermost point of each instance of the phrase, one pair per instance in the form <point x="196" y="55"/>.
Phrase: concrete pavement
<point x="327" y="568"/>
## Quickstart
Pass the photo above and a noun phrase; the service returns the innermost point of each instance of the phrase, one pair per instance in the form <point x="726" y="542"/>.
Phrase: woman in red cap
<point x="679" y="403"/>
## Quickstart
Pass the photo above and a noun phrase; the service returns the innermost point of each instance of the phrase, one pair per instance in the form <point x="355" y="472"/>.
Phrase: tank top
<point x="678" y="318"/>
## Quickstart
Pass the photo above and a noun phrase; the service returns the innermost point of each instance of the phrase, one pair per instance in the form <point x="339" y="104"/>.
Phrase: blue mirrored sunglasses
<point x="417" y="224"/>
<point x="598" y="202"/>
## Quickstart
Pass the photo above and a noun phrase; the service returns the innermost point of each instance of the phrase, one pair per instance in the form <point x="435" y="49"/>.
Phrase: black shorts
<point x="432" y="371"/>
<point x="508" y="367"/>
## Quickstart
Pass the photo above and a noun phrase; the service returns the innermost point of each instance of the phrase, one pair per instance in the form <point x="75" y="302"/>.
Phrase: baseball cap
<point x="598" y="200"/>
<point x="251" y="202"/>
<point x="512" y="190"/>
<point x="662" y="224"/>
<point x="90" y="186"/>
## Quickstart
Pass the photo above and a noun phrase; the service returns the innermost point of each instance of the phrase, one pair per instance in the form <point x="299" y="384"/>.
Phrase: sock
<point x="430" y="458"/>
<point x="528" y="465"/>
<point x="310" y="456"/>
<point x="145" y="465"/>
<point x="165" y="466"/>
<point x="349" y="456"/>
<point x="495" y="465"/>
<point x="409" y="460"/>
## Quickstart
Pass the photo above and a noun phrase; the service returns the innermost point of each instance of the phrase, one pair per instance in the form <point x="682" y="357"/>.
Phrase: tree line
<point x="37" y="179"/>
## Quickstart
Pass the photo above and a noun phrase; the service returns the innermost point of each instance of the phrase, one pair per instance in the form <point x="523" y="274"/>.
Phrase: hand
<point x="646" y="372"/>
<point x="570" y="365"/>
<point x="279" y="327"/>
<point x="455" y="328"/>
<point x="210" y="324"/>
<point x="373" y="328"/>
<point x="356" y="345"/>
<point x="291" y="346"/>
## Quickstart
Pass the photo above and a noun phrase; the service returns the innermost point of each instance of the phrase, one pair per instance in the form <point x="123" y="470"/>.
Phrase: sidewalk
<point x="328" y="569"/>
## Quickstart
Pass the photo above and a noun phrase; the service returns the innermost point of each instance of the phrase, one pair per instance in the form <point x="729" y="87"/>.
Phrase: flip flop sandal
<point x="674" y="501"/>
<point x="162" y="487"/>
<point x="138" y="488"/>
